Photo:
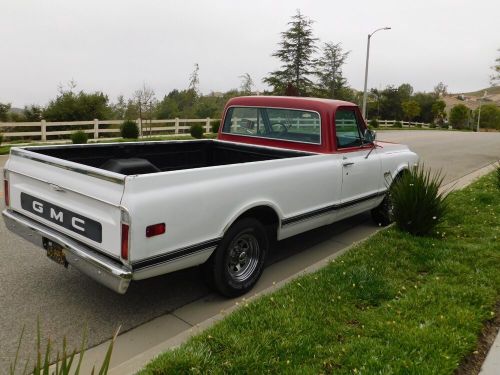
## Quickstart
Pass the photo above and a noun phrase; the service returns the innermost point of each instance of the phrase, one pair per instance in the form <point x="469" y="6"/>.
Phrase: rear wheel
<point x="238" y="262"/>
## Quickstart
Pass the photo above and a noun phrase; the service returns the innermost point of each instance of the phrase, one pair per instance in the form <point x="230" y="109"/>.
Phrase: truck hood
<point x="392" y="147"/>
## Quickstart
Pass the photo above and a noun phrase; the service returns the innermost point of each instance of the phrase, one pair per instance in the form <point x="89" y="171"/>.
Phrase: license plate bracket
<point x="55" y="252"/>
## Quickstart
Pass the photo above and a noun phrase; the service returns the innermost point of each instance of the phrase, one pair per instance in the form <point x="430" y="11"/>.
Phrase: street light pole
<point x="479" y="112"/>
<point x="365" y="93"/>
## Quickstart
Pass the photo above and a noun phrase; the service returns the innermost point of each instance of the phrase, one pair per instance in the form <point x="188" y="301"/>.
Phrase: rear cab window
<point x="274" y="123"/>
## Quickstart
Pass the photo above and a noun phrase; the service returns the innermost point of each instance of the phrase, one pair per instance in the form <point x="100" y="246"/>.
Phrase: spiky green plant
<point x="64" y="361"/>
<point x="418" y="206"/>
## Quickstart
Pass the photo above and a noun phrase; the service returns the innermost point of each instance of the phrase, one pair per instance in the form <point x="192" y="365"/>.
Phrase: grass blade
<point x="16" y="358"/>
<point x="82" y="349"/>
<point x="105" y="365"/>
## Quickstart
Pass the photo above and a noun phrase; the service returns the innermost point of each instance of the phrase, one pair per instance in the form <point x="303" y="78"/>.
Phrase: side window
<point x="348" y="130"/>
<point x="244" y="121"/>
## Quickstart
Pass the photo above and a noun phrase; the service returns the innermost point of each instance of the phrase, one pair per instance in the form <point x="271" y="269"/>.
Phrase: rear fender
<point x="245" y="208"/>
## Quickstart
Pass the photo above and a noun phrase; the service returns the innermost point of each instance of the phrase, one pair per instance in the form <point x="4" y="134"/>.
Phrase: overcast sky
<point x="115" y="46"/>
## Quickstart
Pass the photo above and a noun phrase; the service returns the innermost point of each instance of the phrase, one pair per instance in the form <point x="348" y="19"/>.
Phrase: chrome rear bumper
<point x="100" y="268"/>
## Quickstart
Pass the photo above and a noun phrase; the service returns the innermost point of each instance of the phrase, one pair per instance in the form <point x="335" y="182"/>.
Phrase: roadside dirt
<point x="473" y="362"/>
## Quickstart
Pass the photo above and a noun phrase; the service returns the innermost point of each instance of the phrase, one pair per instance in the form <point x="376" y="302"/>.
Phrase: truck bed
<point x="150" y="157"/>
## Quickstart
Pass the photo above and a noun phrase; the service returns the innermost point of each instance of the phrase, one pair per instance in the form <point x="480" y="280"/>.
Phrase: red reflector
<point x="6" y="192"/>
<point x="125" y="229"/>
<point x="155" y="230"/>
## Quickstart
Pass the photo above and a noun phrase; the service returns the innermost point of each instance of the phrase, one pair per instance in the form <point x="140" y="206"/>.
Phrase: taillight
<point x="155" y="230"/>
<point x="125" y="226"/>
<point x="6" y="192"/>
<point x="125" y="232"/>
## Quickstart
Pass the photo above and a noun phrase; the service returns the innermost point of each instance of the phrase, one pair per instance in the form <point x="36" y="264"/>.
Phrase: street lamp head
<point x="387" y="28"/>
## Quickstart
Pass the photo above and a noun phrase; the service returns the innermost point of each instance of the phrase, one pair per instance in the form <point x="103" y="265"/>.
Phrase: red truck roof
<point x="325" y="107"/>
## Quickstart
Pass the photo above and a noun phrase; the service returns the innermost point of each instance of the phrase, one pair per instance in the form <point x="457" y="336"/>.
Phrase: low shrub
<point x="129" y="130"/>
<point x="397" y="124"/>
<point x="215" y="126"/>
<point x="79" y="137"/>
<point x="418" y="206"/>
<point x="374" y="123"/>
<point x="432" y="125"/>
<point x="196" y="131"/>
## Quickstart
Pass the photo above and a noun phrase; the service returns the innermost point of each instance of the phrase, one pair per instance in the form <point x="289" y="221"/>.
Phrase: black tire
<point x="231" y="273"/>
<point x="383" y="214"/>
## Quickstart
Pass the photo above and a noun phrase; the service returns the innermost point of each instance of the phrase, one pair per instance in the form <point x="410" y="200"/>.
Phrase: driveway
<point x="31" y="286"/>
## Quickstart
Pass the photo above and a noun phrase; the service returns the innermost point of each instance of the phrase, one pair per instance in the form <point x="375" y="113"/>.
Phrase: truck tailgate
<point x="78" y="201"/>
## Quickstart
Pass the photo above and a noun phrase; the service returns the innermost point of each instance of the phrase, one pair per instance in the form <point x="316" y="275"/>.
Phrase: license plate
<point x="65" y="218"/>
<point x="55" y="252"/>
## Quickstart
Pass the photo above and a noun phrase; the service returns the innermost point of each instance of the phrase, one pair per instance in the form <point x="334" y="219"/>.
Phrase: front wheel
<point x="238" y="262"/>
<point x="383" y="214"/>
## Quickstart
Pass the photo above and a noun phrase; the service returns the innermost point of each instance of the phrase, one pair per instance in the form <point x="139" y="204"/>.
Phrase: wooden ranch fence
<point x="45" y="130"/>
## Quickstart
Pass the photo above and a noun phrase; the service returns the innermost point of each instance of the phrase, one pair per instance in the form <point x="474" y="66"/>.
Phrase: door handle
<point x="347" y="163"/>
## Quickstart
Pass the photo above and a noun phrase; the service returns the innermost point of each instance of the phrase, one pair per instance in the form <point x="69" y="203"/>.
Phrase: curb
<point x="491" y="364"/>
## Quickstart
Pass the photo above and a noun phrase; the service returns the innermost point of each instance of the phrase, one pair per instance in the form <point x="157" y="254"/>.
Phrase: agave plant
<point x="418" y="206"/>
<point x="64" y="361"/>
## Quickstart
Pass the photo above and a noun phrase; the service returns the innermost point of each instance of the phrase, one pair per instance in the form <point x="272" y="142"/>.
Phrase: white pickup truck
<point x="129" y="211"/>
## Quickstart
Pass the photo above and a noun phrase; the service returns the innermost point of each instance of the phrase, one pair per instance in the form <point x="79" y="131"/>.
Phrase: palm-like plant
<point x="418" y="206"/>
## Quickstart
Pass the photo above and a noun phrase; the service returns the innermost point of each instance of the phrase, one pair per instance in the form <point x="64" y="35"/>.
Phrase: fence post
<point x="96" y="128"/>
<point x="139" y="125"/>
<point x="207" y="125"/>
<point x="43" y="129"/>
<point x="176" y="125"/>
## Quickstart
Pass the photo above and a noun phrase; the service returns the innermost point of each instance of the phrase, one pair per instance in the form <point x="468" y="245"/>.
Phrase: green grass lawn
<point x="393" y="304"/>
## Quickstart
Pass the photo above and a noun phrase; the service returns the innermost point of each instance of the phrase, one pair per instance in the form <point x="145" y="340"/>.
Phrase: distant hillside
<point x="472" y="99"/>
<point x="16" y="110"/>
<point x="494" y="90"/>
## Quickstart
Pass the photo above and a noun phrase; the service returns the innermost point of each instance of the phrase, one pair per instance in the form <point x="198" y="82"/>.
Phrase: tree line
<point x="307" y="68"/>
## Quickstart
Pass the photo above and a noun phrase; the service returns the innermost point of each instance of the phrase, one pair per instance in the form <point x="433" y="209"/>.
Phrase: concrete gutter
<point x="491" y="365"/>
<point x="135" y="348"/>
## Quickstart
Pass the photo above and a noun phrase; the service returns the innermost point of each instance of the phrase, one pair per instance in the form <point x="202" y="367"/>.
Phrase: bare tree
<point x="71" y="85"/>
<point x="495" y="77"/>
<point x="246" y="83"/>
<point x="194" y="79"/>
<point x="440" y="90"/>
<point x="144" y="99"/>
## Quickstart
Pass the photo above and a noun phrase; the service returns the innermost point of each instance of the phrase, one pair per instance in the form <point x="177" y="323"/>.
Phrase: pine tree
<point x="329" y="70"/>
<point x="298" y="45"/>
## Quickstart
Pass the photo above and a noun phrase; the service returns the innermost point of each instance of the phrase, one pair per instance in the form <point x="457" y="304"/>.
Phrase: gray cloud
<point x="115" y="46"/>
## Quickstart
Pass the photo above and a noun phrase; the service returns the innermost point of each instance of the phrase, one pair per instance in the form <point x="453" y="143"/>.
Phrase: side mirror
<point x="369" y="136"/>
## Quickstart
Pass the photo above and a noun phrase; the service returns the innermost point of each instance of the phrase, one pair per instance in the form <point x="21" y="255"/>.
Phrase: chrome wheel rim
<point x="243" y="257"/>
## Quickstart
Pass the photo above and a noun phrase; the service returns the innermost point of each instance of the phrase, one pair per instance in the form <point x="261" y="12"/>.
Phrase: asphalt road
<point x="31" y="286"/>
